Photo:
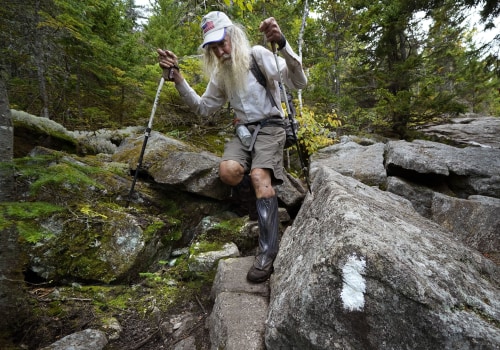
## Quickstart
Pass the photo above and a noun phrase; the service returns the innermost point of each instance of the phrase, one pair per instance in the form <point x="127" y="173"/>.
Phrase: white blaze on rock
<point x="353" y="286"/>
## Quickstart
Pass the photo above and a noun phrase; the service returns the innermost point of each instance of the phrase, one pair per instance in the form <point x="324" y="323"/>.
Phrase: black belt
<point x="272" y="121"/>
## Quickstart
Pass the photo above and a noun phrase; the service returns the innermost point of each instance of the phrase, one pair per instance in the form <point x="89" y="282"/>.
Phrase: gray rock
<point x="186" y="344"/>
<point x="237" y="322"/>
<point x="291" y="193"/>
<point x="89" y="339"/>
<point x="174" y="163"/>
<point x="206" y="261"/>
<point x="469" y="170"/>
<point x="113" y="328"/>
<point x="231" y="277"/>
<point x="426" y="157"/>
<point x="238" y="317"/>
<point x="365" y="163"/>
<point x="117" y="255"/>
<point x="473" y="130"/>
<point x="420" y="196"/>
<point x="194" y="172"/>
<point x="371" y="273"/>
<point x="475" y="222"/>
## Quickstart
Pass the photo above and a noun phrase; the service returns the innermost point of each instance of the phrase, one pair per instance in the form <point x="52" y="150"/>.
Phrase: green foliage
<point x="85" y="61"/>
<point x="378" y="68"/>
<point x="93" y="66"/>
<point x="315" y="129"/>
<point x="242" y="4"/>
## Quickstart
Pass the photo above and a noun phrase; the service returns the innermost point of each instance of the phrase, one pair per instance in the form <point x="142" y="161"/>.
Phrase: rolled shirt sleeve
<point x="294" y="73"/>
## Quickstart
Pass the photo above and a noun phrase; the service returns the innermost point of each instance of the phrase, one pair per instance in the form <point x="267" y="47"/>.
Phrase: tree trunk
<point x="11" y="277"/>
<point x="6" y="132"/>
<point x="301" y="41"/>
<point x="38" y="54"/>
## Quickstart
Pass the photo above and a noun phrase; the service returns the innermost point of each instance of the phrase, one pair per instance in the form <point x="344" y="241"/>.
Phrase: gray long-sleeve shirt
<point x="253" y="105"/>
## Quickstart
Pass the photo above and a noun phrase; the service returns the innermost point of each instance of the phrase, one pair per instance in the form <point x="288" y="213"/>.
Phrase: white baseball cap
<point x="214" y="26"/>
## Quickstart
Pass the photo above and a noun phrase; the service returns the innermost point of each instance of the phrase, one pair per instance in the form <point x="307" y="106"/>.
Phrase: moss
<point x="29" y="210"/>
<point x="212" y="142"/>
<point x="202" y="278"/>
<point x="153" y="228"/>
<point x="26" y="216"/>
<point x="105" y="298"/>
<point x="57" y="174"/>
<point x="32" y="233"/>
<point x="174" y="232"/>
<point x="63" y="175"/>
<point x="231" y="226"/>
<point x="118" y="301"/>
<point x="223" y="232"/>
<point x="171" y="208"/>
<point x="172" y="236"/>
<point x="88" y="211"/>
<point x="56" y="309"/>
<point x="38" y="130"/>
<point x="172" y="284"/>
<point x="205" y="246"/>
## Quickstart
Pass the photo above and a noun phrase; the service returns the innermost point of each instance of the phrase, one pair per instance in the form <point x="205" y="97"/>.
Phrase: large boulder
<point x="467" y="130"/>
<point x="458" y="188"/>
<point x="365" y="163"/>
<point x="467" y="171"/>
<point x="74" y="224"/>
<point x="178" y="165"/>
<point x="361" y="269"/>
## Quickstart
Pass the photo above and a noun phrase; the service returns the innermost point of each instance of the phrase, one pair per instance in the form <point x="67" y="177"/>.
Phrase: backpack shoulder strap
<point x="257" y="73"/>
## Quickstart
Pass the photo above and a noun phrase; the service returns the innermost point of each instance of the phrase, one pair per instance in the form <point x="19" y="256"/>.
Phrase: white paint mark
<point x="353" y="286"/>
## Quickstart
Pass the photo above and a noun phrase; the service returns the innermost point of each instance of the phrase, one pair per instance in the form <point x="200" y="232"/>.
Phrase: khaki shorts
<point x="267" y="152"/>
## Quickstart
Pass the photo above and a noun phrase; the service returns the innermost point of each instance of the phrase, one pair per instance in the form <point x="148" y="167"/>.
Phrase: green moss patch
<point x="25" y="216"/>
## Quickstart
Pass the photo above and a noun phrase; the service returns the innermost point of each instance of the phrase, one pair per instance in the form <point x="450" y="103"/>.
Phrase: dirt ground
<point x="41" y="325"/>
<point x="146" y="335"/>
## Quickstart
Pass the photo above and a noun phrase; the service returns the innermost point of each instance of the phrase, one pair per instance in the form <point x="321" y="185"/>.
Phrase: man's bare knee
<point x="231" y="172"/>
<point x="262" y="182"/>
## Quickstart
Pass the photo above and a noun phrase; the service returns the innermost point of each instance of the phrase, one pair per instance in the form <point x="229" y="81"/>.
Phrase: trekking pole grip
<point x="273" y="46"/>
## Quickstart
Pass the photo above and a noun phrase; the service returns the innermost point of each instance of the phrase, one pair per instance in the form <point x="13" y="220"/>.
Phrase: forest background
<point x="386" y="66"/>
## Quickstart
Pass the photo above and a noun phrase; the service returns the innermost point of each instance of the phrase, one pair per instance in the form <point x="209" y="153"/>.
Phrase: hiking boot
<point x="257" y="275"/>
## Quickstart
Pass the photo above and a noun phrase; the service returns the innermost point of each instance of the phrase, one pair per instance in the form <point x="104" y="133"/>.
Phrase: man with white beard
<point x="257" y="165"/>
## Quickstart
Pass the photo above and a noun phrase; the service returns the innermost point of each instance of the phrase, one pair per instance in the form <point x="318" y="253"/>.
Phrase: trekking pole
<point x="290" y="116"/>
<point x="147" y="133"/>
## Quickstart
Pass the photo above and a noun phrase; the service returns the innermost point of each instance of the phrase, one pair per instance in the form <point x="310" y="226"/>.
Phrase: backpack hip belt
<point x="272" y="121"/>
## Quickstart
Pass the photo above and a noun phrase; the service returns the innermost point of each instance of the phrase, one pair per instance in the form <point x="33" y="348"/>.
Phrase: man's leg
<point x="267" y="210"/>
<point x="247" y="199"/>
<point x="233" y="174"/>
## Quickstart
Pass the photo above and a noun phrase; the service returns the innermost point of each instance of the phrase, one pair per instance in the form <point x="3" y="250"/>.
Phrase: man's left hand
<point x="272" y="31"/>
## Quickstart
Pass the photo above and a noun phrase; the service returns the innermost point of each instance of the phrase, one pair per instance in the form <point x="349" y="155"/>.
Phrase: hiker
<point x="255" y="167"/>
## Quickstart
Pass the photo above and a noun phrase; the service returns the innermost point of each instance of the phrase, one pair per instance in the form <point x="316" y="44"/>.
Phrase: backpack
<point x="291" y="125"/>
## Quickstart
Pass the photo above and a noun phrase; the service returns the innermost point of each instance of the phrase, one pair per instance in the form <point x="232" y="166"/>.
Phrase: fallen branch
<point x="147" y="340"/>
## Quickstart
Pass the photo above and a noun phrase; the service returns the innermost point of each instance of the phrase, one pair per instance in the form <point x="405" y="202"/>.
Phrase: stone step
<point x="240" y="308"/>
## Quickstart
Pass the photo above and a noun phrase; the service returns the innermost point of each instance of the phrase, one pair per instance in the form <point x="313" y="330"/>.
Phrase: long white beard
<point x="233" y="76"/>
